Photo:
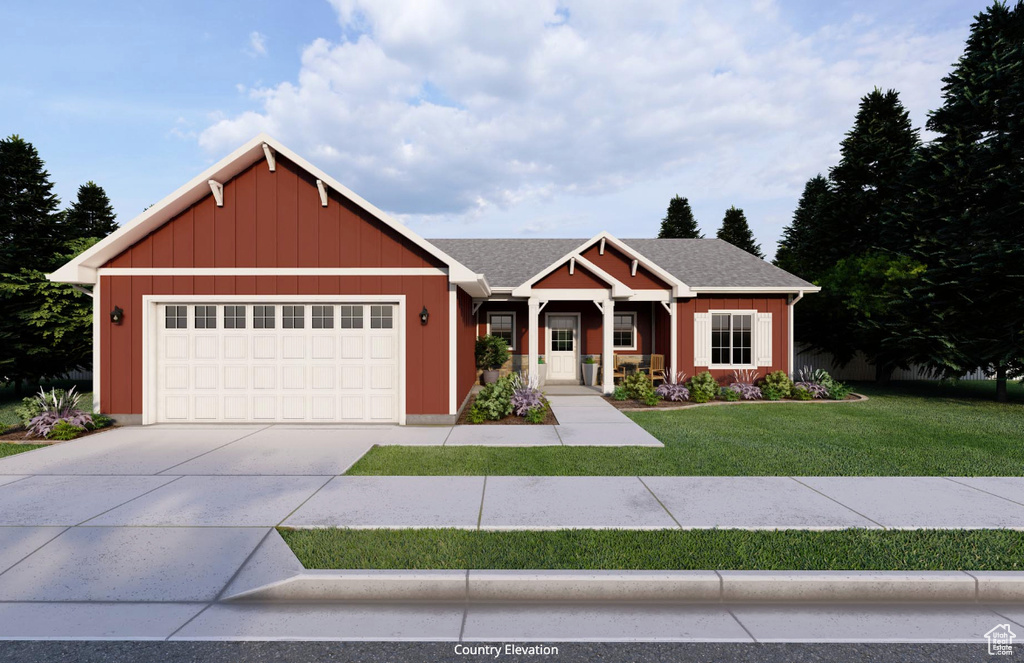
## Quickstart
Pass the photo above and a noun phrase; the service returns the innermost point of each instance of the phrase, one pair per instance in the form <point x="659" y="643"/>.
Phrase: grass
<point x="9" y="449"/>
<point x="852" y="549"/>
<point x="909" y="429"/>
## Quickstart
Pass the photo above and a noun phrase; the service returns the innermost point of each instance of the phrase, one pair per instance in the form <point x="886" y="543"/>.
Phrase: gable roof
<point x="82" y="269"/>
<point x="705" y="265"/>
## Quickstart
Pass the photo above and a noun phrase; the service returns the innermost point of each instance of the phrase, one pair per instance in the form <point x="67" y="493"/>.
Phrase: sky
<point x="538" y="118"/>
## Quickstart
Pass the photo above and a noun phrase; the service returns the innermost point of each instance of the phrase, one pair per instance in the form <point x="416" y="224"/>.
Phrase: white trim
<point x="753" y="333"/>
<point x="271" y="157"/>
<point x="476" y="306"/>
<point x="632" y="346"/>
<point x="782" y="290"/>
<point x="600" y="304"/>
<point x="532" y="320"/>
<point x="149" y="326"/>
<point x="217" y="189"/>
<point x="619" y="289"/>
<point x="608" y="346"/>
<point x="654" y="334"/>
<point x="97" y="347"/>
<point x="668" y="306"/>
<point x="600" y="250"/>
<point x="792" y="303"/>
<point x="577" y="341"/>
<point x="543" y="303"/>
<point x="271" y="271"/>
<point x="679" y="289"/>
<point x="632" y="267"/>
<point x="572" y="266"/>
<point x="512" y="347"/>
<point x="323" y="192"/>
<point x="673" y="335"/>
<point x="453" y="346"/>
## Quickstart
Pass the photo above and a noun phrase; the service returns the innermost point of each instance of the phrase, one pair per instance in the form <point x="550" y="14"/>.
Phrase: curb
<point x="645" y="586"/>
<point x="860" y="399"/>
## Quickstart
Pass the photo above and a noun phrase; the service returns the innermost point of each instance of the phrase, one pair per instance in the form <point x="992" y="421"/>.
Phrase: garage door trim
<point x="150" y="322"/>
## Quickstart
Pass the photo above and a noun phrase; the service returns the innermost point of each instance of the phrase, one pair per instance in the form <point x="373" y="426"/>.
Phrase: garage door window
<point x="263" y="317"/>
<point x="206" y="317"/>
<point x="351" y="317"/>
<point x="323" y="317"/>
<point x="176" y="317"/>
<point x="294" y="317"/>
<point x="380" y="317"/>
<point x="234" y="317"/>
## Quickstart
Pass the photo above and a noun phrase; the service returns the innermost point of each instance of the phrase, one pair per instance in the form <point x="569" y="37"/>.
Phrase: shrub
<point x="813" y="388"/>
<point x="619" y="394"/>
<point x="651" y="399"/>
<point x="838" y="391"/>
<point x="536" y="415"/>
<point x="815" y="375"/>
<point x="590" y="359"/>
<point x="703" y="387"/>
<point x="495" y="400"/>
<point x="780" y="384"/>
<point x="673" y="391"/>
<point x="747" y="391"/>
<point x="729" y="394"/>
<point x="65" y="430"/>
<point x="53" y="408"/>
<point x="771" y="392"/>
<point x="525" y="395"/>
<point x="476" y="415"/>
<point x="100" y="421"/>
<point x="801" y="393"/>
<point x="32" y="406"/>
<point x="638" y="386"/>
<point x="491" y="352"/>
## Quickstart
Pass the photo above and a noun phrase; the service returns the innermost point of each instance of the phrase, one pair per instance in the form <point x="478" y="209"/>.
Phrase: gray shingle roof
<point x="699" y="263"/>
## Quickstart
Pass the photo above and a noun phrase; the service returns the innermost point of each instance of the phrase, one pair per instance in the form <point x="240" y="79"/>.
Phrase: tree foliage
<point x="679" y="221"/>
<point x="29" y="210"/>
<point x="91" y="215"/>
<point x="806" y="245"/>
<point x="736" y="231"/>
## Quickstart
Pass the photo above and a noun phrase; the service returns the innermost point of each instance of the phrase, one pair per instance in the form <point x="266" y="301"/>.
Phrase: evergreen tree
<point x="29" y="217"/>
<point x="974" y="203"/>
<point x="679" y="221"/>
<point x="91" y="215"/>
<point x="807" y="242"/>
<point x="736" y="231"/>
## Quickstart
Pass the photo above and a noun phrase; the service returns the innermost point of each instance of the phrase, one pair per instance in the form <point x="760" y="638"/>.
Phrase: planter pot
<point x="542" y="373"/>
<point x="490" y="377"/>
<point x="590" y="374"/>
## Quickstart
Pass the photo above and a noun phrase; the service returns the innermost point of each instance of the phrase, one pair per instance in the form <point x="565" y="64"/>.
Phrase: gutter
<point x="800" y="295"/>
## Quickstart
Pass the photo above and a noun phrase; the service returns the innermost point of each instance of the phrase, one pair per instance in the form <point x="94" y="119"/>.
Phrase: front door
<point x="563" y="338"/>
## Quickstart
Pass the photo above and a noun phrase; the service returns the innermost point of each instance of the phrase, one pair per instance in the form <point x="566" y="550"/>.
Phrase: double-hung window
<point x="731" y="339"/>
<point x="624" y="332"/>
<point x="503" y="326"/>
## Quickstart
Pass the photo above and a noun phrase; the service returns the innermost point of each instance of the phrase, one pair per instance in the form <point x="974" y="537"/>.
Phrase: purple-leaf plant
<point x="54" y="408"/>
<point x="743" y="384"/>
<point x="673" y="389"/>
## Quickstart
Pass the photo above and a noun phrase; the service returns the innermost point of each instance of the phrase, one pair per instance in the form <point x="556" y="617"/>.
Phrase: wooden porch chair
<point x="658" y="367"/>
<point x="620" y="369"/>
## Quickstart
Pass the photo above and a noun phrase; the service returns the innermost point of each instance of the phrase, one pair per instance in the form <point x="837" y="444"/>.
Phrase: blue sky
<point x="537" y="118"/>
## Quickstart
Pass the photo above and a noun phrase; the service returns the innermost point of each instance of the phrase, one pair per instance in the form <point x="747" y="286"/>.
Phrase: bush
<point x="801" y="393"/>
<point x="780" y="384"/>
<point x="673" y="391"/>
<point x="747" y="391"/>
<point x="495" y="400"/>
<point x="65" y="430"/>
<point x="813" y="388"/>
<point x="638" y="386"/>
<point x="619" y="394"/>
<point x="491" y="352"/>
<point x="536" y="415"/>
<point x="651" y="399"/>
<point x="54" y="408"/>
<point x="100" y="421"/>
<point x="729" y="394"/>
<point x="476" y="415"/>
<point x="31" y="406"/>
<point x="838" y="391"/>
<point x="703" y="387"/>
<point x="771" y="392"/>
<point x="525" y="397"/>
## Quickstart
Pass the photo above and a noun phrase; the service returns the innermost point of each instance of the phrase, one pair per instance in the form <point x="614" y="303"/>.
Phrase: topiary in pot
<point x="491" y="354"/>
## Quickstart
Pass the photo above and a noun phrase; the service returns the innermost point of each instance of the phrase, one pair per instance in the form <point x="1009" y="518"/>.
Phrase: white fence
<point x="860" y="369"/>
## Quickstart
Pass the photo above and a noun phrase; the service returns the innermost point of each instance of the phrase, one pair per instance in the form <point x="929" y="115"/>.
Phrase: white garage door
<point x="290" y="362"/>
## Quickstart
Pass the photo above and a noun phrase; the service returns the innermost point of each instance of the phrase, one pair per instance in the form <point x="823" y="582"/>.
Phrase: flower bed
<point x="510" y="400"/>
<point x="54" y="416"/>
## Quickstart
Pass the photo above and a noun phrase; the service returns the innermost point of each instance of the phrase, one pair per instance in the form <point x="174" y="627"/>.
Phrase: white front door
<point x="562" y="352"/>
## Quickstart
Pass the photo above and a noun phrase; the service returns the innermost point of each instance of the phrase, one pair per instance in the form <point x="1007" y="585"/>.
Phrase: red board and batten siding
<point x="275" y="220"/>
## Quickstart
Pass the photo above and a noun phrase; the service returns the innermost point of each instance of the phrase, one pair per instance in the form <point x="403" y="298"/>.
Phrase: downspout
<point x="78" y="288"/>
<point x="800" y="295"/>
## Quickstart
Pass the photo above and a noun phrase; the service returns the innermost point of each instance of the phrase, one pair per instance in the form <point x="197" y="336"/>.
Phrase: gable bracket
<point x="668" y="307"/>
<point x="271" y="157"/>
<point x="572" y="265"/>
<point x="476" y="306"/>
<point x="323" y="192"/>
<point x="542" y="305"/>
<point x="632" y="268"/>
<point x="599" y="304"/>
<point x="600" y="251"/>
<point x="218" y="192"/>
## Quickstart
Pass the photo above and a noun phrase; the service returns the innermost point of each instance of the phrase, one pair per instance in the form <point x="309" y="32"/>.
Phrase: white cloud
<point x="257" y="44"/>
<point x="456" y="115"/>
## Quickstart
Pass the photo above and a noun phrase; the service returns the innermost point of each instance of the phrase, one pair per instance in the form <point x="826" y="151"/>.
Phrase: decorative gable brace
<point x="218" y="192"/>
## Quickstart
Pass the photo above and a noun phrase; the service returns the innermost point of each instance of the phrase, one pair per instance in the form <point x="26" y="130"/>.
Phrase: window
<point x="731" y="339"/>
<point x="503" y="326"/>
<point x="176" y="317"/>
<point x="351" y="317"/>
<point x="624" y="332"/>
<point x="234" y="317"/>
<point x="293" y="317"/>
<point x="380" y="317"/>
<point x="263" y="317"/>
<point x="561" y="340"/>
<point x="323" y="317"/>
<point x="206" y="317"/>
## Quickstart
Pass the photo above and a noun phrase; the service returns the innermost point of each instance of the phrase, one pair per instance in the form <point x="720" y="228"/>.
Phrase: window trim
<point x="632" y="315"/>
<point x="753" y="331"/>
<point x="512" y="346"/>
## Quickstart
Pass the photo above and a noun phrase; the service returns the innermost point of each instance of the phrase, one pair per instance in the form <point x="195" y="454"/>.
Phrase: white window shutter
<point x="701" y="339"/>
<point x="763" y="339"/>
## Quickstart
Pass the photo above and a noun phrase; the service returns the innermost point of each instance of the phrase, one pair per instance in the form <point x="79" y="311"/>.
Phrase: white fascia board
<point x="758" y="290"/>
<point x="679" y="289"/>
<point x="619" y="289"/>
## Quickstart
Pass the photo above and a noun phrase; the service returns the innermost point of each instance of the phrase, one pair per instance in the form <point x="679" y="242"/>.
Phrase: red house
<point x="264" y="290"/>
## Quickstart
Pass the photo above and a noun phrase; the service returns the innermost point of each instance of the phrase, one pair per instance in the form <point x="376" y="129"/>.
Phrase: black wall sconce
<point x="117" y="315"/>
<point x="424" y="314"/>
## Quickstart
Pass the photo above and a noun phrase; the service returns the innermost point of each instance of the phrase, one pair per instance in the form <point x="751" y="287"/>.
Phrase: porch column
<point x="533" y="316"/>
<point x="674" y="337"/>
<point x="608" y="348"/>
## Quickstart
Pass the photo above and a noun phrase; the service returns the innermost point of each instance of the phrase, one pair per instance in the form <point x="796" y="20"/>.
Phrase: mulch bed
<point x="17" y="436"/>
<point x="682" y="405"/>
<point x="549" y="419"/>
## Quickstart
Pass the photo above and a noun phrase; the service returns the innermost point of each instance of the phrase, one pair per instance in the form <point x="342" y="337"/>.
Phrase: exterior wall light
<point x="424" y="314"/>
<point x="117" y="315"/>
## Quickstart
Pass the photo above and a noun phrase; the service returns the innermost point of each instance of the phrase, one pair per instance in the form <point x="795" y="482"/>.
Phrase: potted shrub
<point x="590" y="366"/>
<point x="491" y="354"/>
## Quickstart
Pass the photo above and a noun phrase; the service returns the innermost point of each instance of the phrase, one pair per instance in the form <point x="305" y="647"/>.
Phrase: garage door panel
<point x="324" y="362"/>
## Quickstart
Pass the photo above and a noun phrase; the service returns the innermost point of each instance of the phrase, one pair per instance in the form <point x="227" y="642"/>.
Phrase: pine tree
<point x="91" y="215"/>
<point x="806" y="244"/>
<point x="29" y="217"/>
<point x="974" y="203"/>
<point x="736" y="231"/>
<point x="679" y="221"/>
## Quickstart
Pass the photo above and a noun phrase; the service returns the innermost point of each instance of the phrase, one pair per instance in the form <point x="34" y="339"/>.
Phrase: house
<point x="264" y="290"/>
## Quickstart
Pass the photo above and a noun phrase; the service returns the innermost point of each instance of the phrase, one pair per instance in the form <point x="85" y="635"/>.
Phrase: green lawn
<point x="853" y="549"/>
<point x="905" y="429"/>
<point x="9" y="449"/>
